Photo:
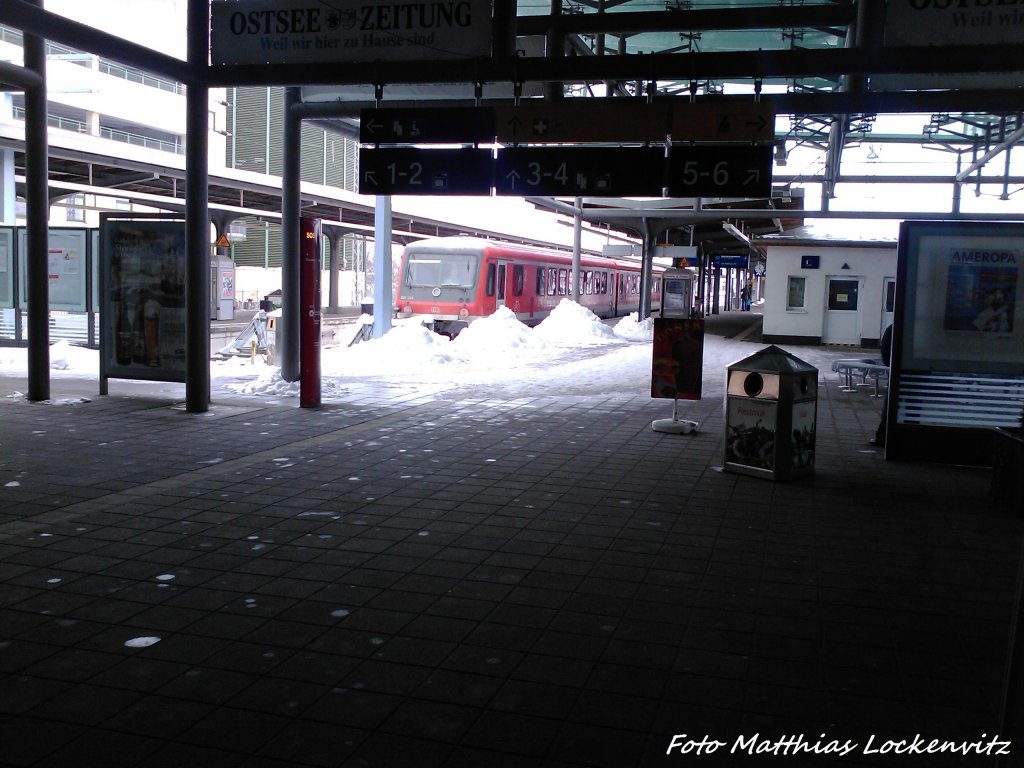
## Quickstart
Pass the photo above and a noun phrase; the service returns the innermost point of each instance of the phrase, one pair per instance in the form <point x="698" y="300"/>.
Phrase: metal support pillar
<point x="555" y="49"/>
<point x="334" y="265"/>
<point x="577" y="243"/>
<point x="37" y="214"/>
<point x="291" y="210"/>
<point x="716" y="289"/>
<point x="504" y="43"/>
<point x="646" y="270"/>
<point x="197" y="218"/>
<point x="382" y="298"/>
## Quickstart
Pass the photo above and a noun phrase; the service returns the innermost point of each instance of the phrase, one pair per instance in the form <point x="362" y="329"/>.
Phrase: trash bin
<point x="770" y="411"/>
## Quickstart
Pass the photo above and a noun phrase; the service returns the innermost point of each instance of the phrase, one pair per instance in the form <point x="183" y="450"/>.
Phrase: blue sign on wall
<point x="731" y="260"/>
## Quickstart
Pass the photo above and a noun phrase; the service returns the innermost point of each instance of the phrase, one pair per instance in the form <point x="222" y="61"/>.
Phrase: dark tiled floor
<point x="456" y="578"/>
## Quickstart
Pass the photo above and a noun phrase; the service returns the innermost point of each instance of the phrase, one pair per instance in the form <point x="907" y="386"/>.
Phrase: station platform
<point x="489" y="579"/>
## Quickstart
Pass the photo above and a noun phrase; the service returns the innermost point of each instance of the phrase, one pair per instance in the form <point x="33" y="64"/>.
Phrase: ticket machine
<point x="677" y="292"/>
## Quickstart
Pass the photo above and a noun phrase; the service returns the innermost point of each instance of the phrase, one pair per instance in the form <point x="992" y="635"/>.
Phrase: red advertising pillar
<point x="309" y="316"/>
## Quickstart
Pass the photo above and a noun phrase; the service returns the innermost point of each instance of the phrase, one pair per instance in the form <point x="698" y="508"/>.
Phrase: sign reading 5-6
<point x="720" y="171"/>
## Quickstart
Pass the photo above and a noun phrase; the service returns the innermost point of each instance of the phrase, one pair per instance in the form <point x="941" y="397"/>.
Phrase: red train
<point x="458" y="279"/>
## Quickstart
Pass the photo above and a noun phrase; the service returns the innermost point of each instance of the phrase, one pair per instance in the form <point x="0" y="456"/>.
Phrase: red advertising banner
<point x="309" y="316"/>
<point x="678" y="366"/>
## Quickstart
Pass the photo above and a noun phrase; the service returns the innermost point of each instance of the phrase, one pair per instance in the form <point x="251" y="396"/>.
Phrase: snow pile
<point x="14" y="361"/>
<point x="267" y="383"/>
<point x="571" y="324"/>
<point x="632" y="329"/>
<point x="404" y="347"/>
<point x="498" y="339"/>
<point x="67" y="357"/>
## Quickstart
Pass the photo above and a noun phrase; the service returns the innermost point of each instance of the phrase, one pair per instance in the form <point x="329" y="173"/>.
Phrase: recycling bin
<point x="771" y="407"/>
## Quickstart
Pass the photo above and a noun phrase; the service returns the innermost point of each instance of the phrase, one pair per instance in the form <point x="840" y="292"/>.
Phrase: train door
<point x="499" y="293"/>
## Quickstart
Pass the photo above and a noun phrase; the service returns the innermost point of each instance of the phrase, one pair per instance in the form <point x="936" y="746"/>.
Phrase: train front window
<point x="453" y="270"/>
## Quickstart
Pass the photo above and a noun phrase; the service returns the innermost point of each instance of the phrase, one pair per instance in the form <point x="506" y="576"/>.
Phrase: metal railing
<point x="70" y="124"/>
<point x="107" y="67"/>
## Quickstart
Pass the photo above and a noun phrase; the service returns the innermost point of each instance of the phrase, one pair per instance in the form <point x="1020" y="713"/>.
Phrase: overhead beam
<point x="16" y="78"/>
<point x="709" y="215"/>
<point x="826" y="104"/>
<point x="878" y="179"/>
<point x="637" y="22"/>
<point x="785" y="64"/>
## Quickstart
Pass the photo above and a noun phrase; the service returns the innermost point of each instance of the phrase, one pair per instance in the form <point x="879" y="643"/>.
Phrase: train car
<point x="459" y="279"/>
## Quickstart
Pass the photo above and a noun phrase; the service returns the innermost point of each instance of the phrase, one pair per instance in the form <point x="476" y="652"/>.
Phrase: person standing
<point x="886" y="345"/>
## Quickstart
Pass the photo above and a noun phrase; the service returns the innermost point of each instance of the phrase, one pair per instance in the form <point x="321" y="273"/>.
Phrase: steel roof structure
<point x="814" y="60"/>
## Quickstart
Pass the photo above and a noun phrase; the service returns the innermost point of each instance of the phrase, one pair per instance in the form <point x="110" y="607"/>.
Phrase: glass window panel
<point x="795" y="293"/>
<point x="842" y="295"/>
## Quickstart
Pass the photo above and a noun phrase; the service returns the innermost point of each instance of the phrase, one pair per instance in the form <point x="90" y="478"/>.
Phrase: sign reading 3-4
<point x="618" y="172"/>
<point x="309" y="32"/>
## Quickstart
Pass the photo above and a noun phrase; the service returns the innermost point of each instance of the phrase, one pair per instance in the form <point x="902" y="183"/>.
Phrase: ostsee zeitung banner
<point x="310" y="32"/>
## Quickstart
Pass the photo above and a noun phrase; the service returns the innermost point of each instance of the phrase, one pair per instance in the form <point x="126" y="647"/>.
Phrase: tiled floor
<point x="462" y="579"/>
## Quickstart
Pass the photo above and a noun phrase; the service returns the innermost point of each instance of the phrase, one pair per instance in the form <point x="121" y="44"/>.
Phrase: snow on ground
<point x="571" y="352"/>
<point x="488" y="351"/>
<point x="64" y="357"/>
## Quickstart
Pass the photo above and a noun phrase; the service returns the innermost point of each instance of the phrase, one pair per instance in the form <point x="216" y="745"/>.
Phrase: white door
<point x="842" y="318"/>
<point x="888" y="303"/>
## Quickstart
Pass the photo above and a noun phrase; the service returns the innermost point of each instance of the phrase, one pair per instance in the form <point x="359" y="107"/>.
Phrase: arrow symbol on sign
<point x="373" y="125"/>
<point x="760" y="123"/>
<point x="514" y="124"/>
<point x="513" y="175"/>
<point x="752" y="176"/>
<point x="370" y="178"/>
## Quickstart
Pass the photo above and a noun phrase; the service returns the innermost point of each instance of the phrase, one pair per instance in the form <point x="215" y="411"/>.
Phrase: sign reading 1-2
<point x="412" y="171"/>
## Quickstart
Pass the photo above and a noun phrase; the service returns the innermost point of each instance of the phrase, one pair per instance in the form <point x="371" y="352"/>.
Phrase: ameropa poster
<point x="981" y="287"/>
<point x="311" y="32"/>
<point x="963" y="297"/>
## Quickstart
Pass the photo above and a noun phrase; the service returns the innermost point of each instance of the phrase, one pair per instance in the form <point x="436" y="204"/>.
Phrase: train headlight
<point x="463" y="312"/>
<point x="406" y="310"/>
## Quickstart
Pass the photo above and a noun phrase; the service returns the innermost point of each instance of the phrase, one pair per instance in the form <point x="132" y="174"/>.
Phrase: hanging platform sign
<point x="310" y="32"/>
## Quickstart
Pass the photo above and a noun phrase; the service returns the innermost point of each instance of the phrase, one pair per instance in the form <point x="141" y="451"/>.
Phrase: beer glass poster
<point x="144" y="321"/>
